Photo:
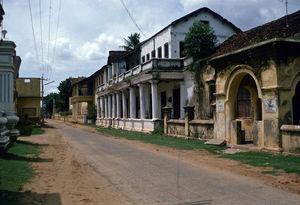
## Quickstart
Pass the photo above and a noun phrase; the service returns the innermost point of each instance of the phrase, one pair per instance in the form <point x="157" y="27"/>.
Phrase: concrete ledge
<point x="176" y="121"/>
<point x="290" y="128"/>
<point x="202" y="122"/>
<point x="290" y="138"/>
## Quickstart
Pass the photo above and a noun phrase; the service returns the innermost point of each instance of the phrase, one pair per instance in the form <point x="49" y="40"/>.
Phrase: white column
<point x="124" y="104"/>
<point x="147" y="101"/>
<point x="132" y="102"/>
<point x="109" y="106"/>
<point x="106" y="106"/>
<point x="98" y="107"/>
<point x="118" y="105"/>
<point x="101" y="107"/>
<point x="182" y="99"/>
<point x="154" y="99"/>
<point x="142" y="100"/>
<point x="113" y="112"/>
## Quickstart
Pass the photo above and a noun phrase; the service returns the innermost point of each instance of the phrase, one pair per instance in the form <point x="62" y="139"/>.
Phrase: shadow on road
<point x="203" y="202"/>
<point x="20" y="198"/>
<point x="9" y="156"/>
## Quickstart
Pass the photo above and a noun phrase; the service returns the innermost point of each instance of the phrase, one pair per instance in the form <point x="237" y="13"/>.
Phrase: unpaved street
<point x="138" y="175"/>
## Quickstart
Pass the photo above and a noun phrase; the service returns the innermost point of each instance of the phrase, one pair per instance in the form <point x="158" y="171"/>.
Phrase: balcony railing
<point x="153" y="64"/>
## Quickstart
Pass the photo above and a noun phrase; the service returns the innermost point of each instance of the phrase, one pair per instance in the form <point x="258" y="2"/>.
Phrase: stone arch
<point x="232" y="86"/>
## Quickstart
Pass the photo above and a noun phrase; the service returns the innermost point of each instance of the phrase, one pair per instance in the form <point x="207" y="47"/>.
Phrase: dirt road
<point x="88" y="168"/>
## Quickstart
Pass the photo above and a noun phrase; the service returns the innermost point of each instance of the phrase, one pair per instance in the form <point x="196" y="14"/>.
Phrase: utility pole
<point x="42" y="111"/>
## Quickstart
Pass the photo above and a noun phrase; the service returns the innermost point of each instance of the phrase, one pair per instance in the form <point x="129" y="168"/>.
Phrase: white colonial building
<point x="134" y="86"/>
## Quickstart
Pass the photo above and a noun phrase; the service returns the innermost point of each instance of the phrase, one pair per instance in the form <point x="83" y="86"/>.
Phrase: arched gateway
<point x="243" y="108"/>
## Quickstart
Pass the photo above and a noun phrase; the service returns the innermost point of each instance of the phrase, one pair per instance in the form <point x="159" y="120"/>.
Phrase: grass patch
<point x="289" y="163"/>
<point x="15" y="169"/>
<point x="273" y="172"/>
<point x="27" y="130"/>
<point x="159" y="139"/>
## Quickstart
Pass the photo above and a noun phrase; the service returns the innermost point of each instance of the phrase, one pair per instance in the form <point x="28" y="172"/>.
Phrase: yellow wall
<point x="28" y="87"/>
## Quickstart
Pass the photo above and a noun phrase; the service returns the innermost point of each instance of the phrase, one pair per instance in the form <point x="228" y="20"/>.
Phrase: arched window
<point x="243" y="103"/>
<point x="296" y="105"/>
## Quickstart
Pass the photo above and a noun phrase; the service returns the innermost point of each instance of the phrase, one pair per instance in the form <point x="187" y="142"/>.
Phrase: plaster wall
<point x="179" y="31"/>
<point x="157" y="41"/>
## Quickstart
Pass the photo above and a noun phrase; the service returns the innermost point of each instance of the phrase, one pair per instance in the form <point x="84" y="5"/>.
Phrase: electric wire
<point x="132" y="19"/>
<point x="57" y="28"/>
<point x="32" y="27"/>
<point x="41" y="32"/>
<point x="49" y="37"/>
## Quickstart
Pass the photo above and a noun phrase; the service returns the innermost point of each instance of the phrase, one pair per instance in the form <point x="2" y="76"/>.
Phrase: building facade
<point x="29" y="99"/>
<point x="133" y="87"/>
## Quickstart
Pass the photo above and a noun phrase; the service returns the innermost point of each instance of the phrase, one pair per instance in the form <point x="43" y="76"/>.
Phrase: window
<point x="153" y="54"/>
<point x="181" y="48"/>
<point x="205" y="22"/>
<point x="166" y="49"/>
<point x="26" y="80"/>
<point x="148" y="56"/>
<point x="159" y="52"/>
<point x="143" y="59"/>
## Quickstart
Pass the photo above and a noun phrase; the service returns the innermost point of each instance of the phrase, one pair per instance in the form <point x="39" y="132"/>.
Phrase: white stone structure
<point x="134" y="87"/>
<point x="9" y="69"/>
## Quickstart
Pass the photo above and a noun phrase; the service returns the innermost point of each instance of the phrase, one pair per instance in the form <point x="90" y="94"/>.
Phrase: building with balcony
<point x="134" y="86"/>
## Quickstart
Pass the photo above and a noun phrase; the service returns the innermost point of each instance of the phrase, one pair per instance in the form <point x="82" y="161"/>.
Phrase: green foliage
<point x="296" y="36"/>
<point x="289" y="163"/>
<point x="92" y="112"/>
<point x="65" y="91"/>
<point x="131" y="42"/>
<point x="48" y="103"/>
<point x="15" y="170"/>
<point x="27" y="130"/>
<point x="65" y="113"/>
<point x="200" y="41"/>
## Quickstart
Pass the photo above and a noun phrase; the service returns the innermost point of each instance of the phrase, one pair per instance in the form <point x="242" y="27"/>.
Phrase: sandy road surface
<point x="64" y="178"/>
<point x="150" y="174"/>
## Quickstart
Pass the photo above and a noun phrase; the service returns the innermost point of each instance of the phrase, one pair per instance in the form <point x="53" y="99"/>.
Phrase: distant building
<point x="29" y="99"/>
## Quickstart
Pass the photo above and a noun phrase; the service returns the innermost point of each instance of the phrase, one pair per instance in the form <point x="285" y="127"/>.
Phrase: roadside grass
<point x="15" y="169"/>
<point x="288" y="163"/>
<point x="27" y="130"/>
<point x="160" y="139"/>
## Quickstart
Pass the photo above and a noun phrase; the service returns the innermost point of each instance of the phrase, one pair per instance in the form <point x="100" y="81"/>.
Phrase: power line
<point x="32" y="27"/>
<point x="41" y="29"/>
<point x="131" y="17"/>
<point x="49" y="31"/>
<point x="57" y="26"/>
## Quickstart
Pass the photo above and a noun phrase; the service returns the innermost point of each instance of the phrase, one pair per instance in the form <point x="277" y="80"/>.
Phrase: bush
<point x="25" y="130"/>
<point x="92" y="112"/>
<point x="200" y="41"/>
<point x="65" y="113"/>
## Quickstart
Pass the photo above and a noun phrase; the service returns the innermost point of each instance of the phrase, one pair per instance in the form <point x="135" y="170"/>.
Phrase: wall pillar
<point x="182" y="99"/>
<point x="132" y="102"/>
<point x="109" y="106"/>
<point x="142" y="100"/>
<point x="102" y="107"/>
<point x="124" y="104"/>
<point x="154" y="99"/>
<point x="106" y="106"/>
<point x="113" y="106"/>
<point x="118" y="105"/>
<point x="98" y="107"/>
<point x="147" y="102"/>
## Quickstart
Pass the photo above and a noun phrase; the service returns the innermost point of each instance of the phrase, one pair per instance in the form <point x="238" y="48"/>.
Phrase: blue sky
<point x="88" y="29"/>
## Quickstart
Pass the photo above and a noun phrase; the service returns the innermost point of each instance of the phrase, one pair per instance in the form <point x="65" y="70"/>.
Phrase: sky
<point x="73" y="38"/>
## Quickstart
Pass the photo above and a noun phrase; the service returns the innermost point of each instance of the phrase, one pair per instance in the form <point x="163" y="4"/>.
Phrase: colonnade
<point x="109" y="105"/>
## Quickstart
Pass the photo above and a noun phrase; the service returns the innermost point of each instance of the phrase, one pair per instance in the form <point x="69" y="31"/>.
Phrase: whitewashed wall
<point x="178" y="32"/>
<point x="156" y="42"/>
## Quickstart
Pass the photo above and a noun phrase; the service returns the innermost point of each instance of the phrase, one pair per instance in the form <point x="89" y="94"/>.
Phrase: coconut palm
<point x="131" y="42"/>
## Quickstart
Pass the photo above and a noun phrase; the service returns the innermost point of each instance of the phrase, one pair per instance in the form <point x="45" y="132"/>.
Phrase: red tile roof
<point x="273" y="29"/>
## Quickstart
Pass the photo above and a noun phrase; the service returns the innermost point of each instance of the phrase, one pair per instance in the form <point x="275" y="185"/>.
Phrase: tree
<point x="131" y="42"/>
<point x="48" y="103"/>
<point x="200" y="41"/>
<point x="65" y="91"/>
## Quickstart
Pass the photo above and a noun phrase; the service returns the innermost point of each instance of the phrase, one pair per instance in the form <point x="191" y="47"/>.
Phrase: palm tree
<point x="131" y="42"/>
